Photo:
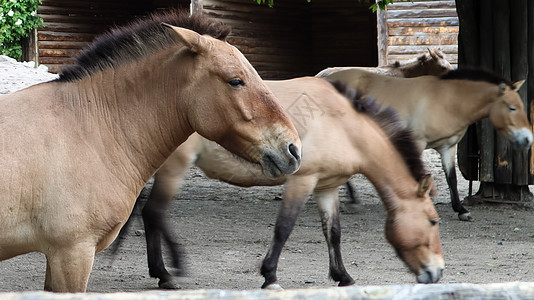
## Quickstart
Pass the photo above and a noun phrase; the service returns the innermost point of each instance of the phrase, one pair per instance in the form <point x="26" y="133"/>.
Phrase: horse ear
<point x="191" y="39"/>
<point x="517" y="85"/>
<point x="433" y="53"/>
<point x="425" y="184"/>
<point x="502" y="88"/>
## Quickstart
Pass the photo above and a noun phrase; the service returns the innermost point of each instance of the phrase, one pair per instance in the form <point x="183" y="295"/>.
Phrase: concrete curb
<point x="510" y="290"/>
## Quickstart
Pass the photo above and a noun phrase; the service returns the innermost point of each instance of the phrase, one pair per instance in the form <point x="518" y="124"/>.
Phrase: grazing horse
<point x="431" y="63"/>
<point x="341" y="138"/>
<point x="77" y="151"/>
<point x="439" y="110"/>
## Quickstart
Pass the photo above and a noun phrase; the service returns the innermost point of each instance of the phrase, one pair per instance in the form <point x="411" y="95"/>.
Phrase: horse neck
<point x="393" y="185"/>
<point x="384" y="167"/>
<point x="131" y="114"/>
<point x="467" y="101"/>
<point x="413" y="69"/>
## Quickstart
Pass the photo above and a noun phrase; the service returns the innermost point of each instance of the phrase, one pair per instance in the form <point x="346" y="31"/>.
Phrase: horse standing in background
<point x="440" y="109"/>
<point x="77" y="151"/>
<point x="431" y="63"/>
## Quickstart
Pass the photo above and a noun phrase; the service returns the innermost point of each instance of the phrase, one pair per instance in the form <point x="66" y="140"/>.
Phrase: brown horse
<point x="431" y="63"/>
<point x="440" y="109"/>
<point x="77" y="151"/>
<point x="340" y="138"/>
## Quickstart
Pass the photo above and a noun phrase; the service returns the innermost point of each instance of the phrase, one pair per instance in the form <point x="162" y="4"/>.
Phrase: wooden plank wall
<point x="414" y="26"/>
<point x="296" y="38"/>
<point x="71" y="24"/>
<point x="344" y="34"/>
<point x="268" y="37"/>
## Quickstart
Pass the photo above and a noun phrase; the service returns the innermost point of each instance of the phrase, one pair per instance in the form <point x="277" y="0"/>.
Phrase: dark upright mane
<point x="388" y="119"/>
<point x="423" y="59"/>
<point x="138" y="39"/>
<point x="476" y="74"/>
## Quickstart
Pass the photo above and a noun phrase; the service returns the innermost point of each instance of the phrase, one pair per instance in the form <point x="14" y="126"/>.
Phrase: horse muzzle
<point x="432" y="271"/>
<point x="521" y="139"/>
<point x="278" y="163"/>
<point x="430" y="275"/>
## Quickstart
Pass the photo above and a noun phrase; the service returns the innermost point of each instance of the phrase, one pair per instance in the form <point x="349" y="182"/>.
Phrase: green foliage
<point x="378" y="4"/>
<point x="270" y="2"/>
<point x="17" y="19"/>
<point x="382" y="4"/>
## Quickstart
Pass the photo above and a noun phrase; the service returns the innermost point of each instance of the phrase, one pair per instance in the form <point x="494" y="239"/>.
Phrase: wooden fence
<point x="412" y="27"/>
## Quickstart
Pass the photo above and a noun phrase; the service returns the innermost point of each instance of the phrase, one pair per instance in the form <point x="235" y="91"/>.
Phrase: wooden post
<point x="468" y="49"/>
<point x="486" y="131"/>
<point x="501" y="30"/>
<point x="382" y="36"/>
<point x="30" y="49"/>
<point x="197" y="6"/>
<point x="519" y="71"/>
<point x="530" y="80"/>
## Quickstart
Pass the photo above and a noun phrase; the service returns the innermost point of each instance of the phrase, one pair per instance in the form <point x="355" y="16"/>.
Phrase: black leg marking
<point x="337" y="268"/>
<point x="284" y="225"/>
<point x="353" y="194"/>
<point x="457" y="206"/>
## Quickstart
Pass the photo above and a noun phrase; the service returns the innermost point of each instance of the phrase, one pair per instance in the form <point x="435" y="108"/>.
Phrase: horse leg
<point x="295" y="196"/>
<point x="353" y="194"/>
<point x="48" y="284"/>
<point x="68" y="270"/>
<point x="448" y="155"/>
<point x="328" y="204"/>
<point x="166" y="183"/>
<point x="153" y="213"/>
<point x="152" y="219"/>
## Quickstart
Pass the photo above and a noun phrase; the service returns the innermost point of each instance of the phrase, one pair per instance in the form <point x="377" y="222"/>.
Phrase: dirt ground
<point x="226" y="232"/>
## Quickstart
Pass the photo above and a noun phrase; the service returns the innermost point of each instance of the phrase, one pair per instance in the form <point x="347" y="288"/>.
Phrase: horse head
<point x="412" y="228"/>
<point x="508" y="116"/>
<point x="434" y="63"/>
<point x="231" y="105"/>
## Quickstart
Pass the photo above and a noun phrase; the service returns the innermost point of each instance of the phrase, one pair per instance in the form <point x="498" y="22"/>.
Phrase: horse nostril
<point x="294" y="150"/>
<point x="528" y="141"/>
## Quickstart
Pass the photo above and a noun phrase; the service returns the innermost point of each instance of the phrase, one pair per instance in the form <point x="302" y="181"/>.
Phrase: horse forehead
<point x="243" y="60"/>
<point x="230" y="58"/>
<point x="420" y="208"/>
<point x="511" y="97"/>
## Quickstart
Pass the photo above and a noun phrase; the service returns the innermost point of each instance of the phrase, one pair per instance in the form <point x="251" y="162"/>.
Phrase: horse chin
<point x="430" y="275"/>
<point x="270" y="167"/>
<point x="521" y="139"/>
<point x="274" y="165"/>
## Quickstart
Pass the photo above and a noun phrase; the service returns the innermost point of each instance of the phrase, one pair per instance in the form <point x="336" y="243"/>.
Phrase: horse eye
<point x="511" y="108"/>
<point x="434" y="222"/>
<point x="236" y="82"/>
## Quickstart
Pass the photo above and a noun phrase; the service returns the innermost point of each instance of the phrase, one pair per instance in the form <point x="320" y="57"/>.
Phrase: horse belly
<point x="17" y="240"/>
<point x="47" y="204"/>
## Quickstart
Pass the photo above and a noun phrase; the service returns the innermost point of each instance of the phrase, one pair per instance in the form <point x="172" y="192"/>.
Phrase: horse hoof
<point x="465" y="217"/>
<point x="168" y="285"/>
<point x="273" y="286"/>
